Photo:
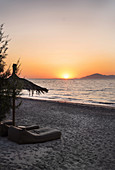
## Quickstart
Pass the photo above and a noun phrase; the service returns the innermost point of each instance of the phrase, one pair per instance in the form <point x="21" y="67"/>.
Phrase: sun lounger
<point x="22" y="136"/>
<point x="29" y="127"/>
<point x="7" y="123"/>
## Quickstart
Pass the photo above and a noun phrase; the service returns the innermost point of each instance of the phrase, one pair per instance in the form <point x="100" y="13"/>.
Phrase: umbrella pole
<point x="13" y="114"/>
<point x="13" y="109"/>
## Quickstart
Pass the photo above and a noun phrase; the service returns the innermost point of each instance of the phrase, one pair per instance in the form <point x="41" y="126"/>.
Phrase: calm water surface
<point x="101" y="92"/>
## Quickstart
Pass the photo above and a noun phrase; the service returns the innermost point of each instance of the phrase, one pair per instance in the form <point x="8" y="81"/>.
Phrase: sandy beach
<point x="87" y="142"/>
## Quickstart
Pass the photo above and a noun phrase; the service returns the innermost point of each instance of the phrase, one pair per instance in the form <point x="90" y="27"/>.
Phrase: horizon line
<point x="73" y="78"/>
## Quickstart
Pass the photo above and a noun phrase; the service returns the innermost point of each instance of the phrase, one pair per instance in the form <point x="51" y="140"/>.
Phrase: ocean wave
<point x="106" y="103"/>
<point x="67" y="95"/>
<point x="59" y="90"/>
<point x="53" y="97"/>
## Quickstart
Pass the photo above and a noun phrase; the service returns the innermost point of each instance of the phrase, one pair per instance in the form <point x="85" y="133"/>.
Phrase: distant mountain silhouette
<point x="99" y="76"/>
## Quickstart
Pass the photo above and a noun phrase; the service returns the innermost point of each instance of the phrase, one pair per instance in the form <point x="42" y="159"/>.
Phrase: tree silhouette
<point x="4" y="92"/>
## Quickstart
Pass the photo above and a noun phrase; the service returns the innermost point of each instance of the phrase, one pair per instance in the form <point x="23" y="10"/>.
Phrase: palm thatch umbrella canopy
<point x="25" y="84"/>
<point x="16" y="84"/>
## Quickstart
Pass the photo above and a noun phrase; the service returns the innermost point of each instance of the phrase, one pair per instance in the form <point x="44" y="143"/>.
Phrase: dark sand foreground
<point x="87" y="143"/>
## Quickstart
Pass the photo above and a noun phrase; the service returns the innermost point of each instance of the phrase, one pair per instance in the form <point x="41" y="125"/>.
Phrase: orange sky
<point x="53" y="38"/>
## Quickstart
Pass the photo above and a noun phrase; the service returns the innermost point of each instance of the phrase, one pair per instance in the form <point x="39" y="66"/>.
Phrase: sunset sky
<point x="57" y="38"/>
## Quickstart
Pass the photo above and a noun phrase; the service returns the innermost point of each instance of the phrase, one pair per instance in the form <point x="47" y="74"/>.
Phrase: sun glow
<point x="66" y="76"/>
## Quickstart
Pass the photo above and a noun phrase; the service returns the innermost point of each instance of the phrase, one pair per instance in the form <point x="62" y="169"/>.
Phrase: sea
<point x="90" y="91"/>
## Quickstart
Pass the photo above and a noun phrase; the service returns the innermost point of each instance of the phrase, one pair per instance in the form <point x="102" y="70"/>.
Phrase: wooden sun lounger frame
<point x="22" y="136"/>
<point x="4" y="126"/>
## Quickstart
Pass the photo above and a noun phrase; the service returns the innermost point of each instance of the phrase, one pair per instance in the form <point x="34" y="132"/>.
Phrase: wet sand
<point x="87" y="142"/>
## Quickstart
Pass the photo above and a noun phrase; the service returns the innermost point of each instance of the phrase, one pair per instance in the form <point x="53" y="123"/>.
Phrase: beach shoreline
<point x="74" y="104"/>
<point x="87" y="140"/>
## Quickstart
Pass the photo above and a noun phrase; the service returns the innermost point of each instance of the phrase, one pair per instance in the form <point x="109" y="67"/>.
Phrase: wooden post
<point x="13" y="96"/>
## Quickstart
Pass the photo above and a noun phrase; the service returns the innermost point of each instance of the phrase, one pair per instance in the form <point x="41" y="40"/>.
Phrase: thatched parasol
<point x="16" y="84"/>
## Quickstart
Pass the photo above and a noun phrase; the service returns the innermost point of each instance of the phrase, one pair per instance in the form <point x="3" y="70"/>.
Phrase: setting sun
<point x="66" y="76"/>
